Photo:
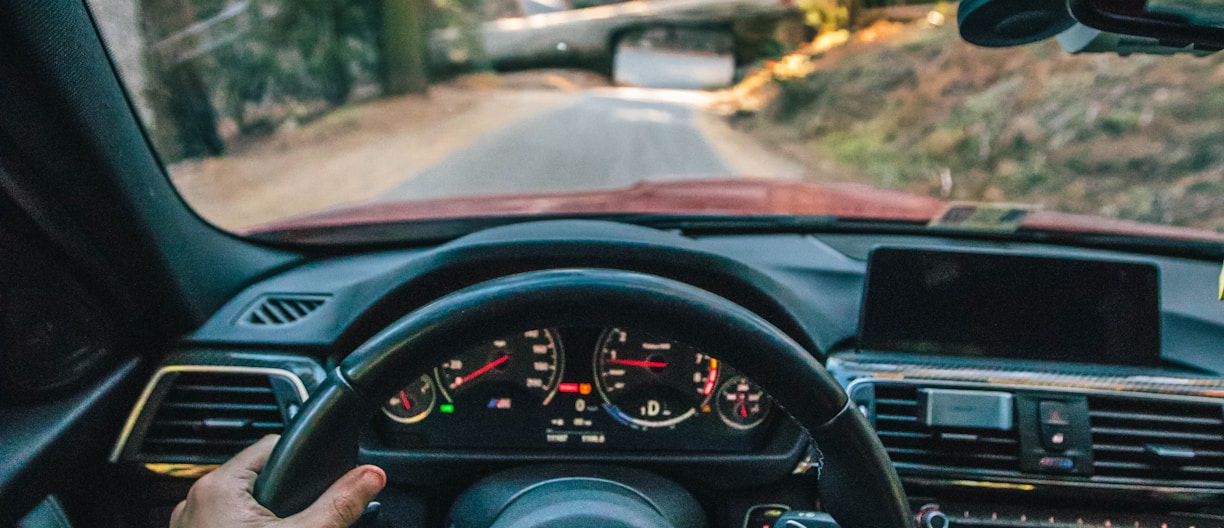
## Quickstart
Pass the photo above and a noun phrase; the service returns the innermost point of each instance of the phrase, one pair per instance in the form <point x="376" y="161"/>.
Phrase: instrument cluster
<point x="580" y="388"/>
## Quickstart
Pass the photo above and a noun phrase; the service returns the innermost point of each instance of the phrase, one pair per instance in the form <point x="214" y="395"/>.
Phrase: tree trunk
<point x="404" y="47"/>
<point x="185" y="122"/>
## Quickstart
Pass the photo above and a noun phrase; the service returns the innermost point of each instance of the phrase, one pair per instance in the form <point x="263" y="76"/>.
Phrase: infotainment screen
<point x="965" y="304"/>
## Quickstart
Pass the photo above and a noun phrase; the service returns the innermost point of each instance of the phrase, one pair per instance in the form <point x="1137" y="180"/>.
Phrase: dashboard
<point x="1083" y="440"/>
<point x="579" y="388"/>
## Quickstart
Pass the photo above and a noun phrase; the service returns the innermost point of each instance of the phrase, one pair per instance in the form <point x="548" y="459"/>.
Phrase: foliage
<point x="1130" y="137"/>
<point x="826" y="15"/>
<point x="299" y="56"/>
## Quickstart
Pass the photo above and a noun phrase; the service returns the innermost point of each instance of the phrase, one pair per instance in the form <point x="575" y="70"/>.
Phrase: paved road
<point x="605" y="139"/>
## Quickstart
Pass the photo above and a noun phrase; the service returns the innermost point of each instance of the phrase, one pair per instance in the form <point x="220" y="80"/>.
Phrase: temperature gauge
<point x="412" y="403"/>
<point x="742" y="404"/>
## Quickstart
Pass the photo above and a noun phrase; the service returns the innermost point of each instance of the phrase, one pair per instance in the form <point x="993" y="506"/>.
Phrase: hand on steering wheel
<point x="222" y="499"/>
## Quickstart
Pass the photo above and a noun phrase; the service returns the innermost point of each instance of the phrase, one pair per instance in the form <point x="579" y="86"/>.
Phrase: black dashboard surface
<point x="810" y="286"/>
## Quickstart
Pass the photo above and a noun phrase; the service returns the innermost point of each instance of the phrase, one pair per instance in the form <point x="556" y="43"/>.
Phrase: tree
<point x="404" y="47"/>
<point x="185" y="122"/>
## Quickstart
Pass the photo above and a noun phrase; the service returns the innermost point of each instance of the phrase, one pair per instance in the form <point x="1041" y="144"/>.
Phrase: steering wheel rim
<point x="857" y="484"/>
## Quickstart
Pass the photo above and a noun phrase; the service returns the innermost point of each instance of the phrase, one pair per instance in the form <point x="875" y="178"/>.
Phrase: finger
<point x="250" y="461"/>
<point x="178" y="512"/>
<point x="342" y="504"/>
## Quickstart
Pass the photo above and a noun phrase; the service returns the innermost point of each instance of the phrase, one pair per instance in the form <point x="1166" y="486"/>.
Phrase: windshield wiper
<point x="712" y="224"/>
<point x="709" y="225"/>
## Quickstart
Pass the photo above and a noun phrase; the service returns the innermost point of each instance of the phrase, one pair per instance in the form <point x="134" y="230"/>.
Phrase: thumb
<point x="342" y="504"/>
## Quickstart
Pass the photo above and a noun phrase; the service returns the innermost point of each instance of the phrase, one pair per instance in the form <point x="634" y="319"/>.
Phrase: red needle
<point x="636" y="363"/>
<point x="743" y="408"/>
<point x="404" y="400"/>
<point x="479" y="371"/>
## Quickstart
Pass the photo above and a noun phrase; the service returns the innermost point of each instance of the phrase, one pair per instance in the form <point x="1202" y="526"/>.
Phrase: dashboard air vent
<point x="276" y="310"/>
<point x="209" y="416"/>
<point x="1140" y="439"/>
<point x="912" y="444"/>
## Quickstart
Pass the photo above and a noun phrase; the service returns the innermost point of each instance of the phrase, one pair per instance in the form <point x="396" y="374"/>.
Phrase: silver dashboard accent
<point x="966" y="408"/>
<point x="128" y="426"/>
<point x="1071" y="389"/>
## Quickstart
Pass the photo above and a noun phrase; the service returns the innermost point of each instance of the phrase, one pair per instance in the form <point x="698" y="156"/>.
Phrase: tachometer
<point x="528" y="362"/>
<point x="647" y="382"/>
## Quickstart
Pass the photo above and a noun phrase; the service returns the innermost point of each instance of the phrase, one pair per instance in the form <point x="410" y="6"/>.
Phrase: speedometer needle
<point x="479" y="371"/>
<point x="404" y="400"/>
<point x="636" y="363"/>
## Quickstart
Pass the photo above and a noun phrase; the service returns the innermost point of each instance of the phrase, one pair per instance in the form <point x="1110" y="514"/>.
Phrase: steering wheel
<point x="857" y="483"/>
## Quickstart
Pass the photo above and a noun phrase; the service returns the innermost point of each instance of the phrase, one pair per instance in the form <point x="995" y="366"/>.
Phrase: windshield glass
<point x="274" y="114"/>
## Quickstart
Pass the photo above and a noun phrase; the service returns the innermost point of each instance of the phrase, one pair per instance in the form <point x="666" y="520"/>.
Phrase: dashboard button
<point x="1057" y="463"/>
<point x="1054" y="438"/>
<point x="764" y="515"/>
<point x="1054" y="413"/>
<point x="1055" y="425"/>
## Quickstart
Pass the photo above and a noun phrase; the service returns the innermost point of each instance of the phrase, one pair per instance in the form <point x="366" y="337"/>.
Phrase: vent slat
<point x="1155" y="418"/>
<point x="275" y="310"/>
<point x="966" y="455"/>
<point x="221" y="388"/>
<point x="290" y="306"/>
<point x="1159" y="441"/>
<point x="208" y="406"/>
<point x="272" y="313"/>
<point x="1162" y="435"/>
<point x="211" y="416"/>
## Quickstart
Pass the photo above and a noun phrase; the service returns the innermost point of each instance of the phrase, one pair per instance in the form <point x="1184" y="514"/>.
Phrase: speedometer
<point x="527" y="363"/>
<point x="646" y="381"/>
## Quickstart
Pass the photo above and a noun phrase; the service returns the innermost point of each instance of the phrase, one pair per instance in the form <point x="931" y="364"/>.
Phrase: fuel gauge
<point x="412" y="403"/>
<point x="742" y="404"/>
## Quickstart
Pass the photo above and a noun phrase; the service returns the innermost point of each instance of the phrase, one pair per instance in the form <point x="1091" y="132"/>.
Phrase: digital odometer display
<point x="999" y="305"/>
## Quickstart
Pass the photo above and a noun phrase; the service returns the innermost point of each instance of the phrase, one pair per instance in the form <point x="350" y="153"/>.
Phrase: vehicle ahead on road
<point x="890" y="280"/>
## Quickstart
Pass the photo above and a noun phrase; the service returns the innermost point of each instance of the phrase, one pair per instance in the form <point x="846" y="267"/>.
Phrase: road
<point x="603" y="139"/>
<point x="517" y="137"/>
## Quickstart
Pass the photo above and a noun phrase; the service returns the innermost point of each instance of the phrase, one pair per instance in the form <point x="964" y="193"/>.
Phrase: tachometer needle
<point x="636" y="363"/>
<point x="404" y="400"/>
<point x="479" y="371"/>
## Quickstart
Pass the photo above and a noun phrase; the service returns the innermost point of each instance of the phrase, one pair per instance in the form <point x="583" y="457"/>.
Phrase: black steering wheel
<point x="857" y="483"/>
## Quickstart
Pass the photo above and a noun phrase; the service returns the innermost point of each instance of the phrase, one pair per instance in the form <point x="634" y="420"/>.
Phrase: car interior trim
<point x="190" y="471"/>
<point x="138" y="409"/>
<point x="1193" y="389"/>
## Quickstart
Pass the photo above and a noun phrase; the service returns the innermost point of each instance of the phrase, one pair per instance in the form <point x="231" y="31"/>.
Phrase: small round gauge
<point x="413" y="402"/>
<point x="530" y="361"/>
<point x="742" y="404"/>
<point x="646" y="381"/>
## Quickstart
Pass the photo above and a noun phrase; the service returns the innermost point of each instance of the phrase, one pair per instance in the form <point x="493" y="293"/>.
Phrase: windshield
<point x="271" y="114"/>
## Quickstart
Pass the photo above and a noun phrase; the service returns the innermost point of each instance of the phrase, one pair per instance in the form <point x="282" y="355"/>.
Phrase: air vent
<point x="1157" y="440"/>
<point x="912" y="444"/>
<point x="209" y="416"/>
<point x="276" y="310"/>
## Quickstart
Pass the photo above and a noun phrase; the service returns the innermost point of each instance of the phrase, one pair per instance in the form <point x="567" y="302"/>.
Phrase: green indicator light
<point x="446" y="408"/>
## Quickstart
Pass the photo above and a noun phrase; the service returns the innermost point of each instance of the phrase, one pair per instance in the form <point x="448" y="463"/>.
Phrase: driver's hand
<point x="222" y="499"/>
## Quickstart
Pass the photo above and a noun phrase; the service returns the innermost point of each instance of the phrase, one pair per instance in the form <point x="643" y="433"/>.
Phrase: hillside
<point x="913" y="107"/>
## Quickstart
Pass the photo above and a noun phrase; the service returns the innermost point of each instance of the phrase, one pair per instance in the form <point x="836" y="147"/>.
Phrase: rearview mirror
<point x="1150" y="26"/>
<point x="1194" y="24"/>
